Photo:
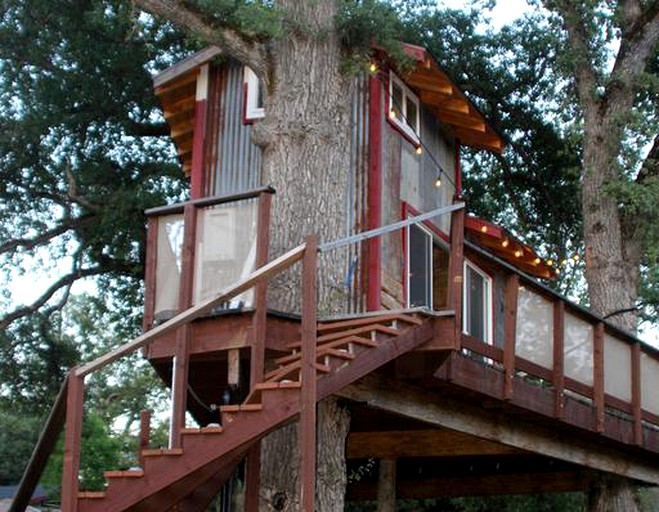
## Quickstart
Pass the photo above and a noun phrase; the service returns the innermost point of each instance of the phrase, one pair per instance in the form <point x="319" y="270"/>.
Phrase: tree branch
<point x="584" y="70"/>
<point x="236" y="45"/>
<point x="64" y="282"/>
<point x="31" y="243"/>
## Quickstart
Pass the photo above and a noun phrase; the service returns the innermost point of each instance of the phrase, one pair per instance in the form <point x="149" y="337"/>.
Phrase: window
<point x="254" y="96"/>
<point x="403" y="108"/>
<point x="477" y="303"/>
<point x="427" y="270"/>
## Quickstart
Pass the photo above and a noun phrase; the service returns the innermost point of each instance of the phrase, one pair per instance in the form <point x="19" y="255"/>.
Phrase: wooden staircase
<point x="188" y="478"/>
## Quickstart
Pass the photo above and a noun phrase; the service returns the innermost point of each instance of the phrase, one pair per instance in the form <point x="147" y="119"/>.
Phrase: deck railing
<point x="579" y="355"/>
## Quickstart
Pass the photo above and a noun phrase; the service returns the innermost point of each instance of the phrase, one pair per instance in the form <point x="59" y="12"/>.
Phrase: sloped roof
<point x="500" y="242"/>
<point x="176" y="88"/>
<point x="447" y="101"/>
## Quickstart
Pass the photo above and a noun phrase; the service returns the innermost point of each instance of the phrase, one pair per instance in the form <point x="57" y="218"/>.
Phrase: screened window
<point x="403" y="108"/>
<point x="477" y="303"/>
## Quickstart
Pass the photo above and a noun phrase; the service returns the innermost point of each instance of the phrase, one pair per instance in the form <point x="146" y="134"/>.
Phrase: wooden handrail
<point x="207" y="201"/>
<point x="277" y="265"/>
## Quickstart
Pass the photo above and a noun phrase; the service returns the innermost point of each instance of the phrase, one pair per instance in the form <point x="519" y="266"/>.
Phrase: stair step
<point x="91" y="495"/>
<point x="239" y="408"/>
<point x="155" y="452"/>
<point x="130" y="473"/>
<point x="202" y="430"/>
<point x="285" y="371"/>
<point x="337" y="341"/>
<point x="334" y="325"/>
<point x="255" y="395"/>
<point x="323" y="351"/>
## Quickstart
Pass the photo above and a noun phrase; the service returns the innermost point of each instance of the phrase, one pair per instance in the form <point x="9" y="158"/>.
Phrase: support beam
<point x="387" y="486"/>
<point x="437" y="410"/>
<point x="421" y="443"/>
<point x="72" y="441"/>
<point x="510" y="331"/>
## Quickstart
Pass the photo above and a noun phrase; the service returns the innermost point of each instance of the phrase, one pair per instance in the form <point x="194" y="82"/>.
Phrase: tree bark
<point x="305" y="141"/>
<point x="280" y="469"/>
<point x="611" y="494"/>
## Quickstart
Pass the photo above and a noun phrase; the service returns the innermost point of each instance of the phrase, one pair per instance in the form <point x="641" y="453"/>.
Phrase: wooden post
<point x="145" y="435"/>
<point x="150" y="272"/>
<point x="559" y="359"/>
<point x="510" y="327"/>
<point x="456" y="265"/>
<point x="598" y="376"/>
<point x="260" y="291"/>
<point x="257" y="355"/>
<point x="637" y="412"/>
<point x="374" y="198"/>
<point x="308" y="393"/>
<point x="181" y="359"/>
<point x="72" y="441"/>
<point x="386" y="493"/>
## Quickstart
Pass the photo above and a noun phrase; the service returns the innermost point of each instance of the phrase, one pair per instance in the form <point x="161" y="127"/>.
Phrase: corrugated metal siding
<point x="356" y="194"/>
<point x="234" y="163"/>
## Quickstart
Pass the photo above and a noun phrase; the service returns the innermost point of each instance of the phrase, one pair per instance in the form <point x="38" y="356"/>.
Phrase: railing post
<point x="307" y="426"/>
<point x="257" y="356"/>
<point x="150" y="267"/>
<point x="510" y="327"/>
<point x="598" y="375"/>
<point x="72" y="440"/>
<point x="181" y="359"/>
<point x="559" y="359"/>
<point x="637" y="411"/>
<point x="145" y="435"/>
<point x="456" y="269"/>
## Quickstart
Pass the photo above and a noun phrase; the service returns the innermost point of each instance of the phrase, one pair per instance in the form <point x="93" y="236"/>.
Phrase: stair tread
<point x="325" y="350"/>
<point x="337" y="342"/>
<point x="154" y="452"/>
<point x="129" y="473"/>
<point x="291" y="367"/>
<point x="91" y="495"/>
<point x="332" y="325"/>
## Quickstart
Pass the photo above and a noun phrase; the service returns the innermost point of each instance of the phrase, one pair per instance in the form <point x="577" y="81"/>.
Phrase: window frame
<point x="488" y="301"/>
<point x="252" y="87"/>
<point x="401" y="122"/>
<point x="408" y="259"/>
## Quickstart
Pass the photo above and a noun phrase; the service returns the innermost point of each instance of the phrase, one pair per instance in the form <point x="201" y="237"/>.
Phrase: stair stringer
<point x="207" y="455"/>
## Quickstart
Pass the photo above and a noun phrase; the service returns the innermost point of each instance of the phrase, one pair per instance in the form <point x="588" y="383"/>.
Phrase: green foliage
<point x="18" y="435"/>
<point x="79" y="158"/>
<point x="100" y="452"/>
<point x="257" y="20"/>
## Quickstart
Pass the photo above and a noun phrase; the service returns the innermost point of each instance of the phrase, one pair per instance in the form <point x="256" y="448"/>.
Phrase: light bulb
<point x="438" y="182"/>
<point x="484" y="229"/>
<point x="373" y="67"/>
<point x="392" y="114"/>
<point x="418" y="150"/>
<point x="505" y="242"/>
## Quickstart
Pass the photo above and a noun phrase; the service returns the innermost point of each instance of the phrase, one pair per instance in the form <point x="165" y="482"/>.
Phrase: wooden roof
<point x="451" y="106"/>
<point x="176" y="88"/>
<point x="501" y="243"/>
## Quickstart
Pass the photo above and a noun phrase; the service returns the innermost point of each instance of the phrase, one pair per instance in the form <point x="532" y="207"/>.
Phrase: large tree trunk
<point x="305" y="140"/>
<point x="612" y="256"/>
<point x="611" y="494"/>
<point x="280" y="469"/>
<point x="305" y="143"/>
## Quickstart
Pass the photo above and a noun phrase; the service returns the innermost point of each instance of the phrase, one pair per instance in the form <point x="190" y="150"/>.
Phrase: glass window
<point x="477" y="303"/>
<point x="403" y="108"/>
<point x="419" y="267"/>
<point x="427" y="261"/>
<point x="254" y="98"/>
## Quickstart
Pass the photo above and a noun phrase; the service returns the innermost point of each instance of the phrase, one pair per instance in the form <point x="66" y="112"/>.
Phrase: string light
<point x="550" y="263"/>
<point x="419" y="150"/>
<point x="505" y="242"/>
<point x="518" y="253"/>
<point x="537" y="261"/>
<point x="438" y="181"/>
<point x="484" y="229"/>
<point x="373" y="67"/>
<point x="392" y="114"/>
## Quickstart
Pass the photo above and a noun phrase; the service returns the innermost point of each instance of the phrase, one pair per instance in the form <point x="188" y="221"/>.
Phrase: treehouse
<point x="463" y="372"/>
